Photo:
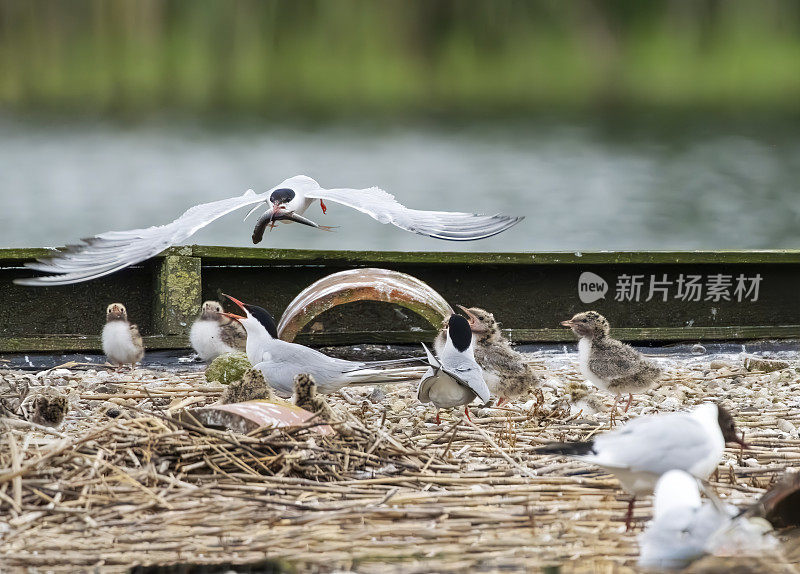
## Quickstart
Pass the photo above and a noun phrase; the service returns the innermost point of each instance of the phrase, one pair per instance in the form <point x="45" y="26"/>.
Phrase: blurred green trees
<point x="385" y="56"/>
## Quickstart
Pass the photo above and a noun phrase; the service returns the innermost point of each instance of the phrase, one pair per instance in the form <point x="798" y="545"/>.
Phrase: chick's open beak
<point x="474" y="323"/>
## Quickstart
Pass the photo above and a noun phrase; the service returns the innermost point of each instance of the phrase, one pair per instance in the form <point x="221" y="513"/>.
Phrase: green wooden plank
<point x="178" y="294"/>
<point x="306" y="256"/>
<point x="83" y="343"/>
<point x="214" y="254"/>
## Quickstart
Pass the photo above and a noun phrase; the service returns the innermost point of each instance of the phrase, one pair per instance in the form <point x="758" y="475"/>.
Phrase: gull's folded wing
<point x="448" y="225"/>
<point x="115" y="250"/>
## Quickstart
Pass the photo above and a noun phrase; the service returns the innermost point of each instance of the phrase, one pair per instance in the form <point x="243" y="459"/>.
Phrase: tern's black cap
<point x="282" y="195"/>
<point x="459" y="332"/>
<point x="263" y="317"/>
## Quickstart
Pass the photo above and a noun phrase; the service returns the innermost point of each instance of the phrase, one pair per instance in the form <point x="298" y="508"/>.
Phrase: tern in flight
<point x="115" y="250"/>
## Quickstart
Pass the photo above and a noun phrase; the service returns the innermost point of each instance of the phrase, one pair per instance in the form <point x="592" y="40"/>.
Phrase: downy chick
<point x="214" y="334"/>
<point x="122" y="342"/>
<point x="505" y="371"/>
<point x="609" y="364"/>
<point x="49" y="407"/>
<point x="250" y="387"/>
<point x="306" y="397"/>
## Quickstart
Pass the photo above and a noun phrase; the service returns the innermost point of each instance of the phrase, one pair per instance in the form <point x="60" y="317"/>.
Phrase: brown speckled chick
<point x="306" y="397"/>
<point x="250" y="387"/>
<point x="610" y="364"/>
<point x="49" y="407"/>
<point x="505" y="371"/>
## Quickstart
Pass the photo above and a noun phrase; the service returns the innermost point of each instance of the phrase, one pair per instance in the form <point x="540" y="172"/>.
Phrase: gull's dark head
<point x="728" y="427"/>
<point x="253" y="313"/>
<point x="281" y="196"/>
<point x="588" y="324"/>
<point x="459" y="332"/>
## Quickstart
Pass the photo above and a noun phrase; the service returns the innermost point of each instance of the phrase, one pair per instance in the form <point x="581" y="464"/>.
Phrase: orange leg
<point x="466" y="412"/>
<point x="438" y="420"/>
<point x="629" y="515"/>
<point x="630" y="400"/>
<point x="323" y="206"/>
<point x="500" y="401"/>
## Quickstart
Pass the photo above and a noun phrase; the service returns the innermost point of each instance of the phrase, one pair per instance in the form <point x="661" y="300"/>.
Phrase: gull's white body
<point x="685" y="528"/>
<point x="206" y="340"/>
<point x="115" y="250"/>
<point x="647" y="447"/>
<point x="118" y="343"/>
<point x="682" y="523"/>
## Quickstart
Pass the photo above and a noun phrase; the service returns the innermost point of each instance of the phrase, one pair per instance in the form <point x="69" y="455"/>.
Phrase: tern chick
<point x="250" y="387"/>
<point x="647" y="447"/>
<point x="454" y="378"/>
<point x="49" y="407"/>
<point x="610" y="364"/>
<point x="214" y="334"/>
<point x="122" y="342"/>
<point x="505" y="371"/>
<point x="306" y="397"/>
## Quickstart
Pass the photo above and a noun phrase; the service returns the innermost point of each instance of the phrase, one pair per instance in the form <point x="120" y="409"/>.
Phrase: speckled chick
<point x="250" y="387"/>
<point x="306" y="397"/>
<point x="214" y="334"/>
<point x="610" y="364"/>
<point x="122" y="342"/>
<point x="49" y="407"/>
<point x="505" y="371"/>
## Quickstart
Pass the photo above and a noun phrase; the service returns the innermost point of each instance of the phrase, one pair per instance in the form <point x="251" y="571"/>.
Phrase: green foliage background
<point x="335" y="57"/>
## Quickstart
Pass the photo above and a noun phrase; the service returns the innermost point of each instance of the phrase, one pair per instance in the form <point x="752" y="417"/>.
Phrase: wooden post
<point x="178" y="294"/>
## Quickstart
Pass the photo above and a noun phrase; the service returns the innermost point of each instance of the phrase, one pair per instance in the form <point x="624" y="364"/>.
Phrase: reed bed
<point x="124" y="483"/>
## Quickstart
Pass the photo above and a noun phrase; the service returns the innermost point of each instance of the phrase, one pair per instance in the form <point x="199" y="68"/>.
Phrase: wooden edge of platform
<point x="73" y="343"/>
<point x="251" y="255"/>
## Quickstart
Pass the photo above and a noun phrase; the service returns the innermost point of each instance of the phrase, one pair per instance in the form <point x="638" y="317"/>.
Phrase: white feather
<point x="118" y="344"/>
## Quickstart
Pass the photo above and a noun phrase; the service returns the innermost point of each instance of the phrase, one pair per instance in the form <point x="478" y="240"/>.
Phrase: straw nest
<point x="122" y="482"/>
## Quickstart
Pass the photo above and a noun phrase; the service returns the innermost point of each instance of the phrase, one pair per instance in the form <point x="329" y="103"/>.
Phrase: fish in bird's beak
<point x="475" y="324"/>
<point x="278" y="213"/>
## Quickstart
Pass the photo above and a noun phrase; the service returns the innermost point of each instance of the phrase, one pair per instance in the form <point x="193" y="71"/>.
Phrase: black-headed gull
<point x="647" y="447"/>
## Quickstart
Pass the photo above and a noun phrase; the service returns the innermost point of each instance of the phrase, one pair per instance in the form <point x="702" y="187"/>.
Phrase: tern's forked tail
<point x="377" y="375"/>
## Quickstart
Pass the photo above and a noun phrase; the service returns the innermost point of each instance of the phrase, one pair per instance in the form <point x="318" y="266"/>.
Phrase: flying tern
<point x="288" y="201"/>
<point x="647" y="447"/>
<point x="453" y="378"/>
<point x="281" y="361"/>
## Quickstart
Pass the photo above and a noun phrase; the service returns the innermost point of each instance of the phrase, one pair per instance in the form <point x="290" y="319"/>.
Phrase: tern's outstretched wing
<point x="448" y="225"/>
<point x="115" y="250"/>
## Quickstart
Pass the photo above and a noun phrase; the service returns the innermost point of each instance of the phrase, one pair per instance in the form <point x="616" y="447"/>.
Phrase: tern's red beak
<point x="235" y="300"/>
<point x="233" y="316"/>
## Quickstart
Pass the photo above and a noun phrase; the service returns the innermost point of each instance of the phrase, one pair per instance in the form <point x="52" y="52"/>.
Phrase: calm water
<point x="583" y="186"/>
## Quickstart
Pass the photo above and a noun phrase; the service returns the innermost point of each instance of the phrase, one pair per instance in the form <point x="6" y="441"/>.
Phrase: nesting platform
<point x="122" y="485"/>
